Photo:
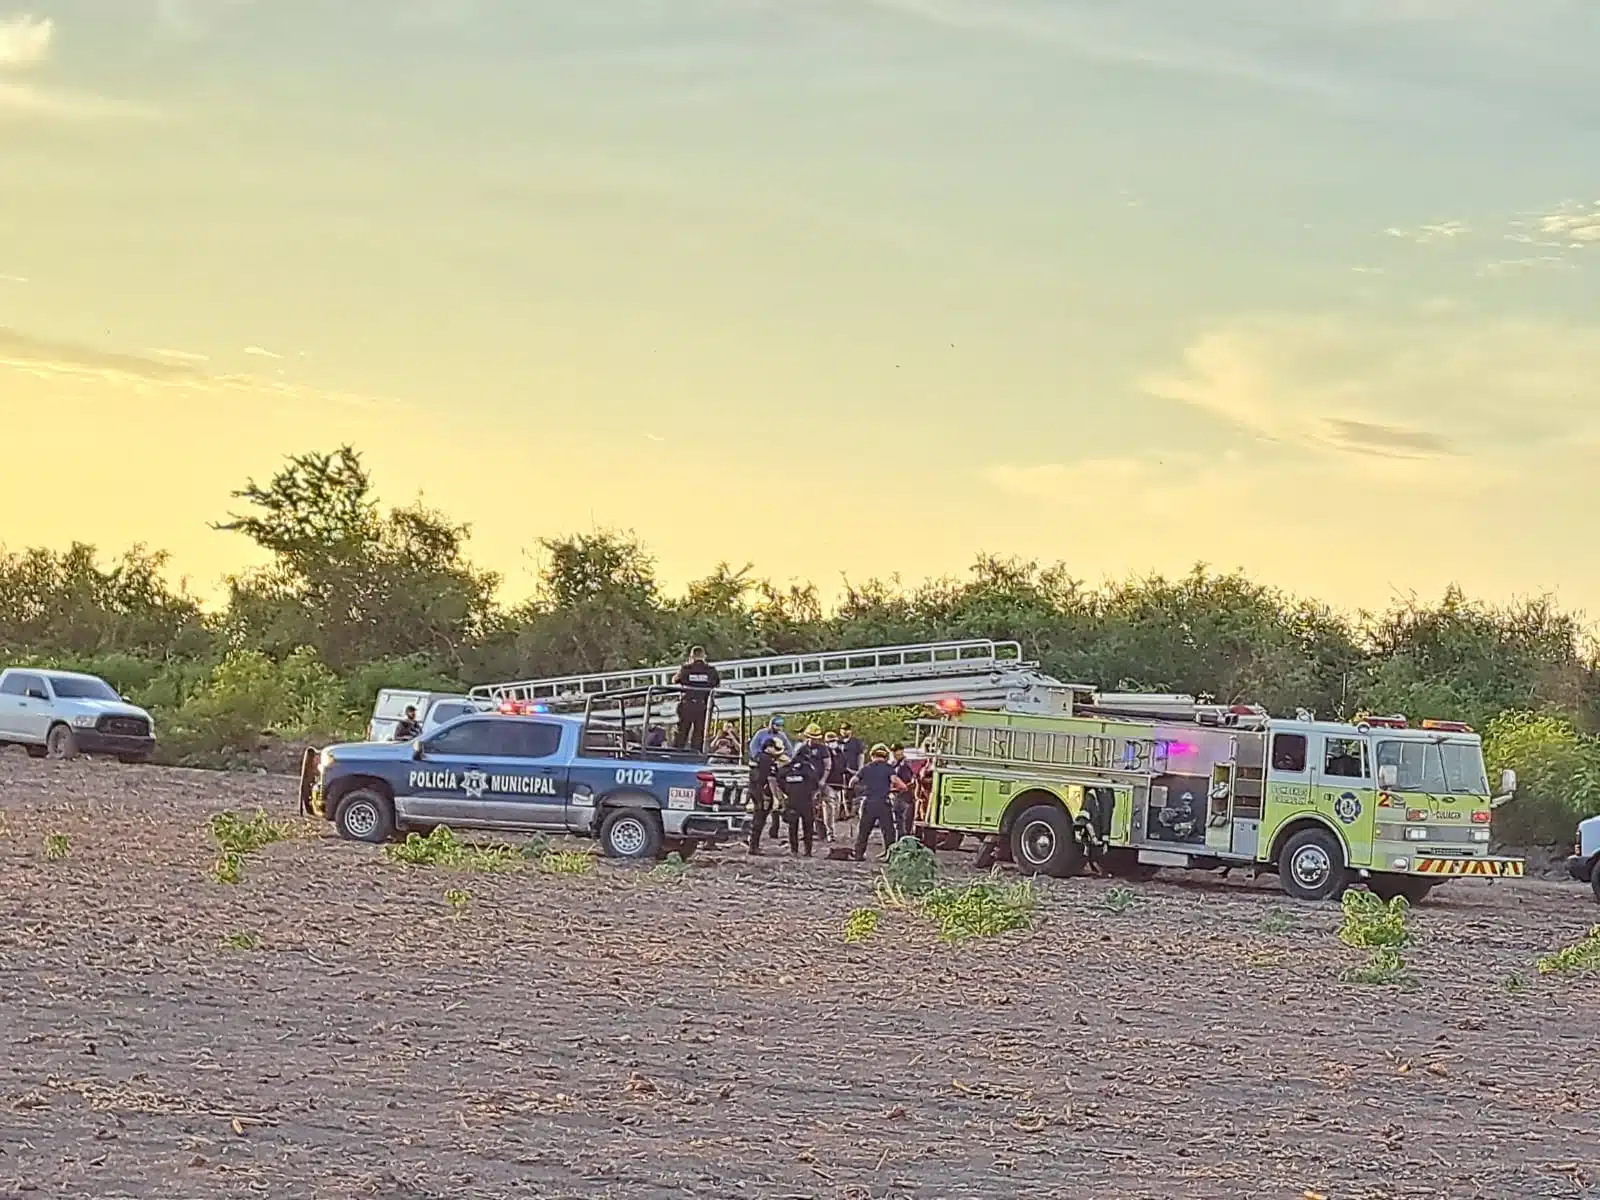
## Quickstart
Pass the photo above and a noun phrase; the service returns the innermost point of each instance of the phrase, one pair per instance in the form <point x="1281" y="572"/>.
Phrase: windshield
<point x="81" y="689"/>
<point x="1436" y="767"/>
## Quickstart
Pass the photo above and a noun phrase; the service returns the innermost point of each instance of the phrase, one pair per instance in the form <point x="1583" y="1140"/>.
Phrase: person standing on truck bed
<point x="875" y="783"/>
<point x="698" y="678"/>
<point x="408" y="728"/>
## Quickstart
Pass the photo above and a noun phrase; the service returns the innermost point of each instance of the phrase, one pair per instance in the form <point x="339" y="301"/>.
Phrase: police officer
<point x="814" y="753"/>
<point x="698" y="678"/>
<point x="764" y="781"/>
<point x="875" y="784"/>
<point x="801" y="779"/>
<point x="408" y="727"/>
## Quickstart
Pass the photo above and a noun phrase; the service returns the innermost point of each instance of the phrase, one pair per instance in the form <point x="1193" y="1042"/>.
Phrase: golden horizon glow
<point x="839" y="290"/>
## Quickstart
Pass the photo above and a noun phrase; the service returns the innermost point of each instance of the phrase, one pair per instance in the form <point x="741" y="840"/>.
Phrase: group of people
<point x="824" y="779"/>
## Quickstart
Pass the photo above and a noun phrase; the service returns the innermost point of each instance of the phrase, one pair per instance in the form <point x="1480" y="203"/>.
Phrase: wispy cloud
<point x="1427" y="235"/>
<point x="25" y="45"/>
<point x="261" y="352"/>
<point x="1370" y="387"/>
<point x="25" y="41"/>
<point x="173" y="370"/>
<point x="13" y="279"/>
<point x="1578" y="224"/>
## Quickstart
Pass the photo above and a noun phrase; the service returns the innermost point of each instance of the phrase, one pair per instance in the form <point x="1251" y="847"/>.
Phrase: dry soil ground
<point x="616" y="1036"/>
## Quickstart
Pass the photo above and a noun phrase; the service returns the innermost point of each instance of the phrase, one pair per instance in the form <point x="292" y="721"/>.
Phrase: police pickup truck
<point x="524" y="772"/>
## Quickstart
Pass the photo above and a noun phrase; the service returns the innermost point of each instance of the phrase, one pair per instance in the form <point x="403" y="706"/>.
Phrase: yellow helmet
<point x="813" y="731"/>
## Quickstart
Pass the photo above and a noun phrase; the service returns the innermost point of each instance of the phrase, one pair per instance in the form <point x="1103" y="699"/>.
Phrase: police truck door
<point x="492" y="771"/>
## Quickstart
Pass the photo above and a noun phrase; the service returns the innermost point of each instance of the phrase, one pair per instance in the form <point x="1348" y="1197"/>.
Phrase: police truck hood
<point x="371" y="751"/>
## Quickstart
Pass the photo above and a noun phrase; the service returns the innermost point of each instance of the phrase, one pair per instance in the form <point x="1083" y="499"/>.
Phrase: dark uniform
<point x="698" y="677"/>
<point x="818" y="762"/>
<point x="763" y="778"/>
<point x="905" y="796"/>
<point x="801" y="778"/>
<point x="874" y="783"/>
<point x="407" y="728"/>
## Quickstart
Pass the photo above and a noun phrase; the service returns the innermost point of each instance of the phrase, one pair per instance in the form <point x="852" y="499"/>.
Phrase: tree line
<point x="356" y="596"/>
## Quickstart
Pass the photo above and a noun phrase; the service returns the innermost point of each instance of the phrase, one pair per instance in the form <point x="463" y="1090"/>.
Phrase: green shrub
<point x="1582" y="956"/>
<point x="861" y="924"/>
<point x="1369" y="921"/>
<point x="1558" y="777"/>
<point x="441" y="848"/>
<point x="982" y="909"/>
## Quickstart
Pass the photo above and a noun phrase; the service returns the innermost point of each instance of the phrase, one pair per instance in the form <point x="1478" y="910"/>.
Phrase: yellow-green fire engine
<point x="1166" y="782"/>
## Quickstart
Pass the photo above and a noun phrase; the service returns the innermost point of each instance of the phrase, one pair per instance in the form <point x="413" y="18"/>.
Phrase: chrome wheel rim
<point x="628" y="837"/>
<point x="1038" y="842"/>
<point x="361" y="819"/>
<point x="1311" y="867"/>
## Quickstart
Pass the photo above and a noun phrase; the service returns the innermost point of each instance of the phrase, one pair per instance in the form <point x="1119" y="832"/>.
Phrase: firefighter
<point x="874" y="784"/>
<point x="802" y="776"/>
<point x="698" y="679"/>
<point x="763" y="790"/>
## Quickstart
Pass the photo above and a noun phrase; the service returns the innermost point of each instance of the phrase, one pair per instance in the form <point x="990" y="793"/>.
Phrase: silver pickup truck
<point x="60" y="714"/>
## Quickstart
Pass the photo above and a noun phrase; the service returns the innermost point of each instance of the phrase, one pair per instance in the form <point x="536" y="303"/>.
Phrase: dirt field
<point x="614" y="1036"/>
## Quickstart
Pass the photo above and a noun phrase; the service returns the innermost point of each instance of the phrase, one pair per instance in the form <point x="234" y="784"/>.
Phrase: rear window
<point x="449" y="710"/>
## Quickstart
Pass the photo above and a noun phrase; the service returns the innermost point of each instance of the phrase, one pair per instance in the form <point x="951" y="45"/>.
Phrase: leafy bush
<point x="911" y="869"/>
<point x="567" y="862"/>
<point x="242" y="940"/>
<point x="57" y="846"/>
<point x="441" y="848"/>
<point x="1558" y="776"/>
<point x="237" y="838"/>
<point x="1369" y="921"/>
<point x="861" y="924"/>
<point x="1582" y="956"/>
<point x="982" y="909"/>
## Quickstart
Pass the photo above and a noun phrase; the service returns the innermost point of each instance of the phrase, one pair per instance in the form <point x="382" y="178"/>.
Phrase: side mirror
<point x="1508" y="782"/>
<point x="36" y="694"/>
<point x="1388" y="776"/>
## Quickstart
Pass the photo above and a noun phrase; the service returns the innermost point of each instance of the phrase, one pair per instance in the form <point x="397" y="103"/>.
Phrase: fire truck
<point x="1130" y="785"/>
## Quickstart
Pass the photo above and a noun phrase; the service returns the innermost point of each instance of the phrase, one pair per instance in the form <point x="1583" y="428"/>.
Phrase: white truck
<point x="61" y="714"/>
<point x="433" y="709"/>
<point x="1584" y="864"/>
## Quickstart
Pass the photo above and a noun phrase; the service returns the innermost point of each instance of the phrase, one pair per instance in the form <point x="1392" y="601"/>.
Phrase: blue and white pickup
<point x="545" y="773"/>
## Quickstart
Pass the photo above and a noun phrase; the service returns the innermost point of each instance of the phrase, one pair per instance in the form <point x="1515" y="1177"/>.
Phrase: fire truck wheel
<point x="1312" y="866"/>
<point x="1387" y="887"/>
<point x="1042" y="842"/>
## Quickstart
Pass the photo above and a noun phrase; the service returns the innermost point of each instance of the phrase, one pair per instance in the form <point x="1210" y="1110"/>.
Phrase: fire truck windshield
<point x="1436" y="767"/>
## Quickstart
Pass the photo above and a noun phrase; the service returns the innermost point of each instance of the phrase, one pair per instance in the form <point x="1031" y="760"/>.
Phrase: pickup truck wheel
<point x="632" y="833"/>
<point x="1043" y="842"/>
<point x="1594" y="880"/>
<point x="365" y="816"/>
<point x="60" y="744"/>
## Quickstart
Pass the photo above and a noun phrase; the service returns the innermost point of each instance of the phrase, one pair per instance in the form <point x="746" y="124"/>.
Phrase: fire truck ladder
<point x="1088" y="759"/>
<point x="980" y="672"/>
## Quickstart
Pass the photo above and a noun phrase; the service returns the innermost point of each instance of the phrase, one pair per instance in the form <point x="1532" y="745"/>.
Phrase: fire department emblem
<point x="1347" y="808"/>
<point x="473" y="783"/>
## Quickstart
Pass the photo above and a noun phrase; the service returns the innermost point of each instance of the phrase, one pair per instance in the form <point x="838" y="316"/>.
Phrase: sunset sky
<point x="836" y="287"/>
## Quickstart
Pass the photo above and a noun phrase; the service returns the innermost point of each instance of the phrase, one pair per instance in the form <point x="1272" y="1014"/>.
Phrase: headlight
<point x="1416" y="833"/>
<point x="84" y="721"/>
<point x="325" y="760"/>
